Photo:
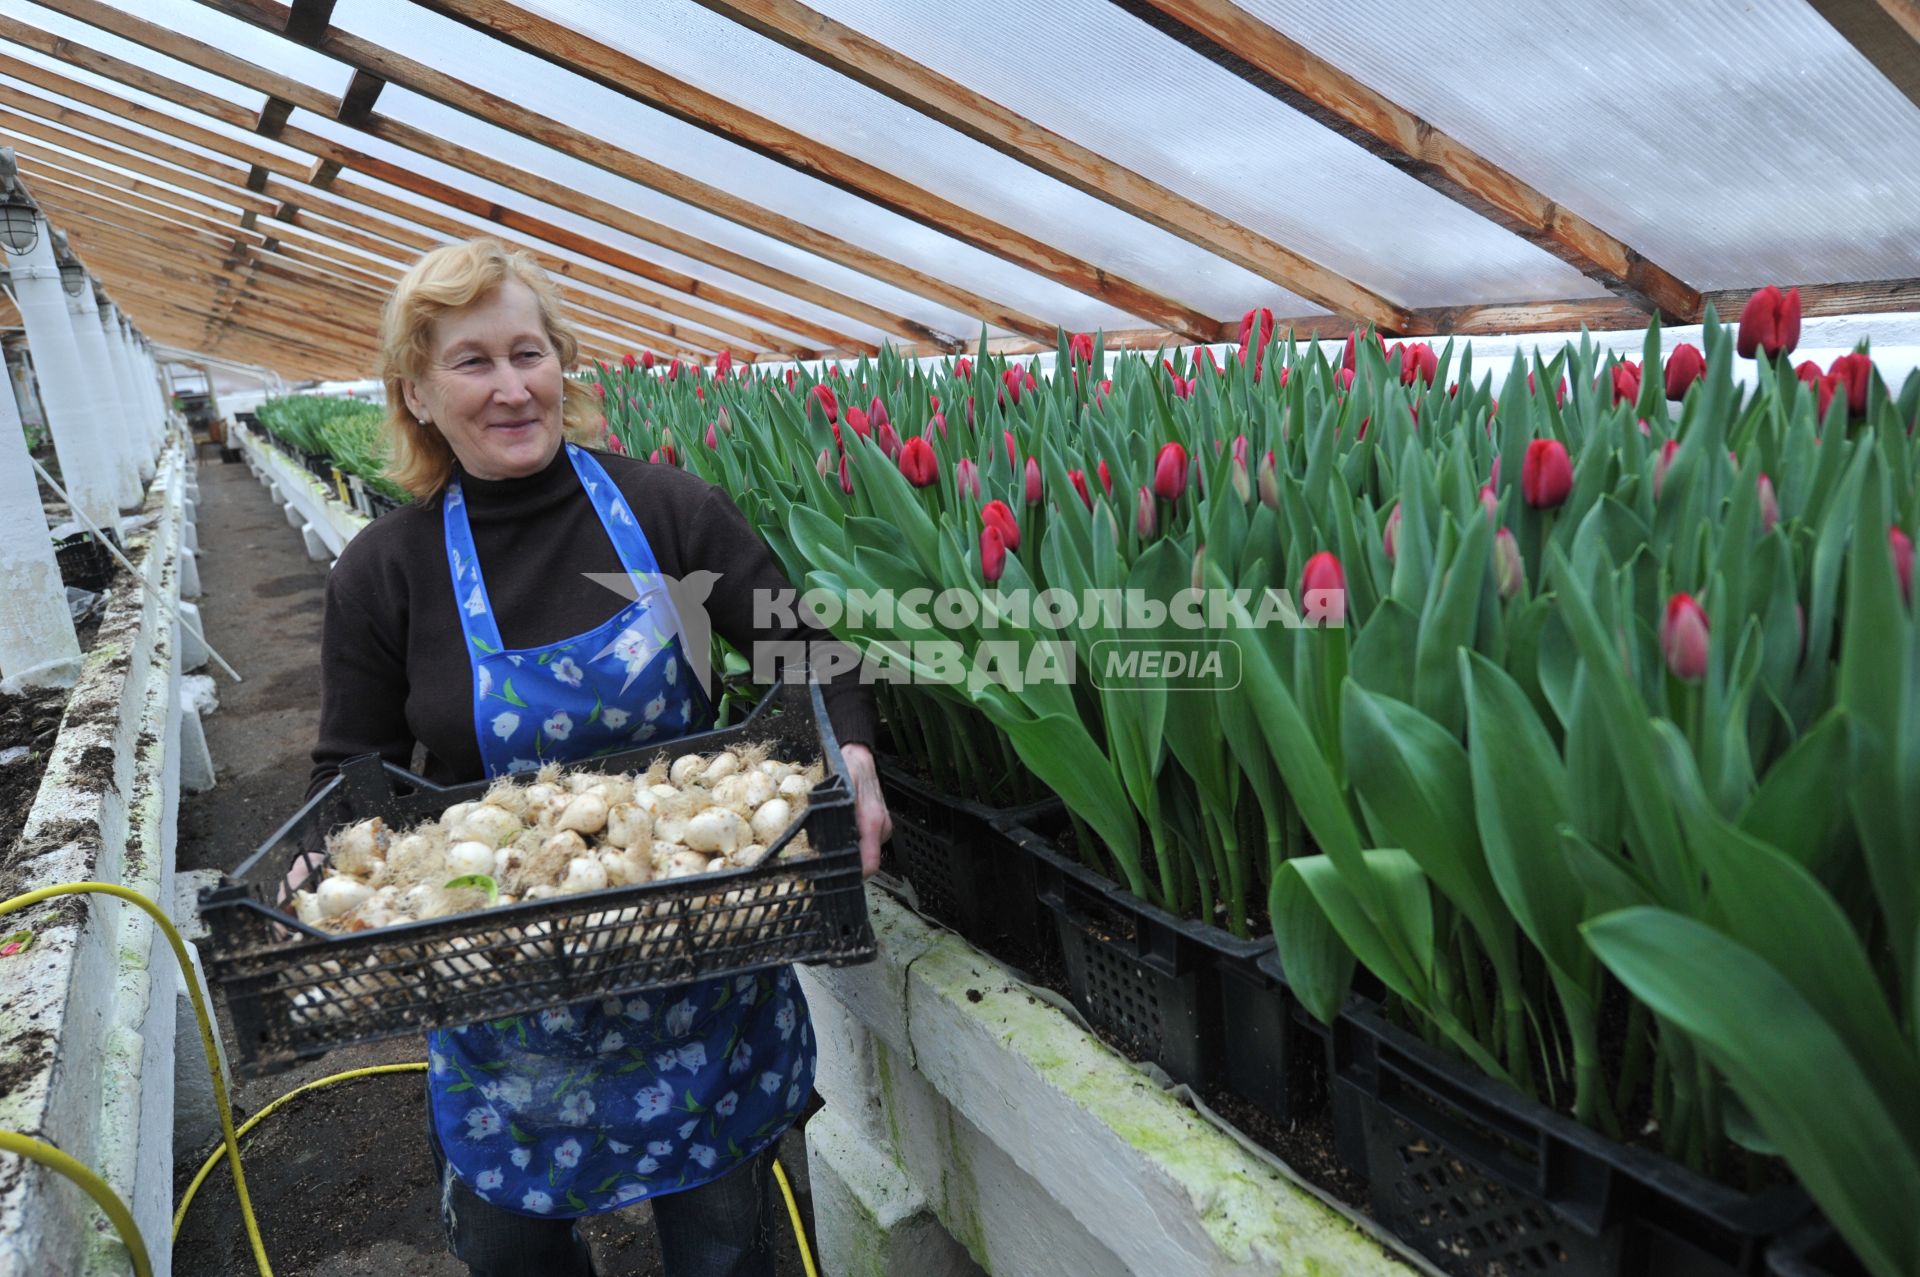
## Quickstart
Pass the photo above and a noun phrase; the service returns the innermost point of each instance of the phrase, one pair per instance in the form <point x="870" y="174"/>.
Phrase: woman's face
<point x="493" y="386"/>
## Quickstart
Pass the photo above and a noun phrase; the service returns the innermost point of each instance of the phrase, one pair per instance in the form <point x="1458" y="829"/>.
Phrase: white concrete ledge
<point x="1034" y="1146"/>
<point x="88" y="1013"/>
<point x="313" y="508"/>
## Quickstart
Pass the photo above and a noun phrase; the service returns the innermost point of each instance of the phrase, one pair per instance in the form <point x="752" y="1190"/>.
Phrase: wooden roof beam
<point x="231" y="189"/>
<point x="557" y="43"/>
<point x="858" y="57"/>
<point x="271" y="17"/>
<point x="1885" y="32"/>
<point x="1230" y="36"/>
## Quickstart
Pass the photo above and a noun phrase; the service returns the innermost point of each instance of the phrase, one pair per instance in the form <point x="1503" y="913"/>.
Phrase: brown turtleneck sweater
<point x="393" y="664"/>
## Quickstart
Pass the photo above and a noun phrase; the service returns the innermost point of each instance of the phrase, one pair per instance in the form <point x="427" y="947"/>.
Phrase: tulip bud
<point x="1269" y="483"/>
<point x="1661" y="466"/>
<point x="628" y="362"/>
<point x="647" y="360"/>
<point x="1013" y="383"/>
<point x="1197" y="575"/>
<point x="1902" y="546"/>
<point x="889" y="441"/>
<point x="599" y="392"/>
<point x="963" y="367"/>
<point x="1546" y="475"/>
<point x="918" y="462"/>
<point x="1509" y="573"/>
<point x="1683" y="638"/>
<point x="1685" y="366"/>
<point x="1078" y="478"/>
<point x="1855" y="372"/>
<point x="1769" y="504"/>
<point x="713" y="436"/>
<point x="1106" y="479"/>
<point x="1343" y="379"/>
<point x="1170" y="472"/>
<point x="724" y="364"/>
<point x="1080" y="348"/>
<point x="846" y="477"/>
<point x="857" y="418"/>
<point x="877" y="413"/>
<point x="1626" y="382"/>
<point x="1101" y="389"/>
<point x="615" y="446"/>
<point x="1033" y="480"/>
<point x="673" y="371"/>
<point x="1807" y="371"/>
<point x="1489" y="501"/>
<point x="1000" y="515"/>
<point x="1013" y="459"/>
<point x="1770" y="321"/>
<point x="824" y="463"/>
<point x="993" y="553"/>
<point x="966" y="478"/>
<point x="1389" y="539"/>
<point x="939" y="422"/>
<point x="1237" y="477"/>
<point x="1827" y="386"/>
<point x="1146" y="518"/>
<point x="823" y="395"/>
<point x="1418" y="363"/>
<point x="1323" y="588"/>
<point x="654" y="456"/>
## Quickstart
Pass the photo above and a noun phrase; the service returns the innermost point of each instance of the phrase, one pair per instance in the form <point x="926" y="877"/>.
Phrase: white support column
<point x="37" y="644"/>
<point x="153" y="413"/>
<point x="87" y="452"/>
<point x="115" y="428"/>
<point x="133" y="408"/>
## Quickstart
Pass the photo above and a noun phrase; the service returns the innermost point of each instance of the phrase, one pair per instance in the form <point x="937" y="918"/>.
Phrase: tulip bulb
<point x="487" y="824"/>
<point x="585" y="873"/>
<point x="629" y="825"/>
<point x="771" y="820"/>
<point x="586" y="814"/>
<point x="339" y="895"/>
<point x="716" y="830"/>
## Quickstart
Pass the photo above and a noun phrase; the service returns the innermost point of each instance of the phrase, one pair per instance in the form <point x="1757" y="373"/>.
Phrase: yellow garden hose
<point x="110" y="1203"/>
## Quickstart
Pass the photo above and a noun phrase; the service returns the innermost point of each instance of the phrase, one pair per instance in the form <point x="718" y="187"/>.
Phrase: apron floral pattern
<point x="581" y="1109"/>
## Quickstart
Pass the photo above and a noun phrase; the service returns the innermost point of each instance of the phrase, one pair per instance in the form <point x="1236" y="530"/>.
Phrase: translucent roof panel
<point x="230" y="35"/>
<point x="1734" y="142"/>
<point x="83" y="110"/>
<point x="1108" y="81"/>
<point x="127" y="51"/>
<point x="544" y="88"/>
<point x="65" y="156"/>
<point x="761" y="76"/>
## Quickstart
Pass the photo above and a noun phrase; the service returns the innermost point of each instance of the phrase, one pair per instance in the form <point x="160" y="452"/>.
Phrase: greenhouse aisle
<point x="341" y="1180"/>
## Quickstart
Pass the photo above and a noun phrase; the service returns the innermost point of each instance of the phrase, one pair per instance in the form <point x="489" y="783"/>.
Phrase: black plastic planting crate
<point x="294" y="992"/>
<point x="1485" y="1182"/>
<point x="1814" y="1251"/>
<point x="965" y="868"/>
<point x="1194" y="999"/>
<point x="84" y="562"/>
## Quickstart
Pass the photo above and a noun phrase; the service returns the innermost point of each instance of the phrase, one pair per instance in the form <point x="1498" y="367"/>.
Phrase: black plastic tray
<point x="1483" y="1181"/>
<point x="1815" y="1250"/>
<point x="295" y="992"/>
<point x="84" y="562"/>
<point x="965" y="868"/>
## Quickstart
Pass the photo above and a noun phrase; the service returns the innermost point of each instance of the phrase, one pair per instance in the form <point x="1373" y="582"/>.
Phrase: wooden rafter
<point x="888" y="71"/>
<point x="1230" y="36"/>
<point x="625" y="74"/>
<point x="334" y="158"/>
<point x="1886" y="33"/>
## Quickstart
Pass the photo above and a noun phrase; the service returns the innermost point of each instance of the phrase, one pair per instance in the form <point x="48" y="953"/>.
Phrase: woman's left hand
<point x="869" y="806"/>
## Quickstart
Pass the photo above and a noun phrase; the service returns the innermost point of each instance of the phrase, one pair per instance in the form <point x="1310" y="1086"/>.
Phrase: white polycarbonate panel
<point x="66" y="156"/>
<point x="1734" y="142"/>
<point x="544" y="88"/>
<point x="230" y="35"/>
<point x="573" y="222"/>
<point x="105" y="41"/>
<point x="765" y="78"/>
<point x="1105" y="79"/>
<point x="82" y="112"/>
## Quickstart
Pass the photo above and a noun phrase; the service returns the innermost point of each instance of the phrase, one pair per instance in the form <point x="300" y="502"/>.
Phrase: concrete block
<point x="189" y="539"/>
<point x="193" y="648"/>
<point x="317" y="549"/>
<point x="869" y="1220"/>
<point x="189" y="576"/>
<point x="196" y="1115"/>
<point x="294" y="516"/>
<point x="196" y="760"/>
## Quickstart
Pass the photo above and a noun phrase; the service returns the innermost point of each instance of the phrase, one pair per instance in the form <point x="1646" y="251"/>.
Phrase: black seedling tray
<point x="295" y="992"/>
<point x="84" y="562"/>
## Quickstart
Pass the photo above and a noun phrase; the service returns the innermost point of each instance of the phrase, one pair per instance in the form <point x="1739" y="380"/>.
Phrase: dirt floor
<point x="341" y="1180"/>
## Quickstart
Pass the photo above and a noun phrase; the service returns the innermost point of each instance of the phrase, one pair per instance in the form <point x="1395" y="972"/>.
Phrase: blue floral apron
<point x="581" y="1109"/>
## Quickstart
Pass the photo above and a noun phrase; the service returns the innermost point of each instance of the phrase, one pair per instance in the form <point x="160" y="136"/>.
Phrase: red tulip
<point x="599" y="392"/>
<point x="1685" y="366"/>
<point x="1509" y="570"/>
<point x="1489" y="502"/>
<point x="1080" y="348"/>
<point x="939" y="422"/>
<point x="1770" y="321"/>
<point x="1012" y="459"/>
<point x="993" y="553"/>
<point x="1240" y="449"/>
<point x="647" y="360"/>
<point x="615" y="446"/>
<point x="1170" y="472"/>
<point x="713" y="438"/>
<point x="1078" y="478"/>
<point x="1181" y="386"/>
<point x="1854" y="371"/>
<point x="889" y="441"/>
<point x="1661" y="466"/>
<point x="1256" y="330"/>
<point x="792" y="378"/>
<point x="628" y="362"/>
<point x="1626" y="382"/>
<point x="1101" y="390"/>
<point x="654" y="456"/>
<point x="1827" y="385"/>
<point x="724" y="364"/>
<point x="1343" y="379"/>
<point x="1769" y="504"/>
<point x="1106" y="479"/>
<point x="1807" y="371"/>
<point x="1902" y="546"/>
<point x="1145" y="517"/>
<point x="963" y="367"/>
<point x="1546" y="476"/>
<point x="1390" y="537"/>
<point x="1353" y="343"/>
<point x="1237" y="478"/>
<point x="966" y="478"/>
<point x="857" y="418"/>
<point x="1015" y="381"/>
<point x="1206" y="353"/>
<point x="1559" y="391"/>
<point x="823" y="464"/>
<point x="1418" y="363"/>
<point x="1323" y="587"/>
<point x="846" y="477"/>
<point x="1000" y="515"/>
<point x="918" y="462"/>
<point x="673" y="371"/>
<point x="877" y="412"/>
<point x="1033" y="480"/>
<point x="1683" y="638"/>
<point x="1269" y="483"/>
<point x="822" y="394"/>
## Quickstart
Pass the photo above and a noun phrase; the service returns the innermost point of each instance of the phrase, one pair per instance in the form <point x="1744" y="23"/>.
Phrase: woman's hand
<point x="869" y="806"/>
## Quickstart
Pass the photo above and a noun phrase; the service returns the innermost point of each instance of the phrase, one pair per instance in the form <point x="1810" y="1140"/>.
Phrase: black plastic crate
<point x="295" y="992"/>
<point x="379" y="503"/>
<point x="1815" y="1250"/>
<point x="84" y="562"/>
<point x="1194" y="999"/>
<point x="1484" y="1182"/>
<point x="965" y="868"/>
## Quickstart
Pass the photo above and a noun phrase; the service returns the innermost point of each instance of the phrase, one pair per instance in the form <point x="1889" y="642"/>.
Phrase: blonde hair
<point x="448" y="278"/>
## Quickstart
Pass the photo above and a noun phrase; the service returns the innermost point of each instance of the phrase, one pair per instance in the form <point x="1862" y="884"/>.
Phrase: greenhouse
<point x="732" y="637"/>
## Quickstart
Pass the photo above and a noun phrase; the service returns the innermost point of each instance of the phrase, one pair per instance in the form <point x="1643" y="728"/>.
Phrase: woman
<point x="464" y="623"/>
